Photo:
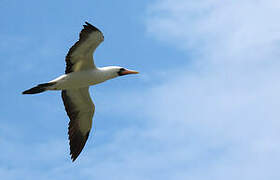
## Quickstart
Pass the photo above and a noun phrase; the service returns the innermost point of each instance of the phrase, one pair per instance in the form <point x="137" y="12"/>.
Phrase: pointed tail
<point x="39" y="88"/>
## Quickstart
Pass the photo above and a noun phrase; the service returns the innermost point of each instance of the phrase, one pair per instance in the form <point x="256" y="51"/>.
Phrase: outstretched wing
<point x="80" y="109"/>
<point x="80" y="55"/>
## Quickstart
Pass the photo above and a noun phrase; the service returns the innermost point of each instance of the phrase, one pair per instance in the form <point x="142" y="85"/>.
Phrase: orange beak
<point x="129" y="72"/>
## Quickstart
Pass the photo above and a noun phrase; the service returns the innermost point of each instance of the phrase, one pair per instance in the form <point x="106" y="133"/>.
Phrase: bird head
<point x="110" y="72"/>
<point x="122" y="71"/>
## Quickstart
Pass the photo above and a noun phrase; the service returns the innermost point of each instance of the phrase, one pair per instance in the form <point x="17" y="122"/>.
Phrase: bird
<point x="80" y="74"/>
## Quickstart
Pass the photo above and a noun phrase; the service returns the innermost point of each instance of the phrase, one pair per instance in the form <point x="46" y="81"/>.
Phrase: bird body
<point x="80" y="73"/>
<point x="84" y="78"/>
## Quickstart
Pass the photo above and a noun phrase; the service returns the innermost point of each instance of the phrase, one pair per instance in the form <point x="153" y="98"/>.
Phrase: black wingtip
<point x="75" y="150"/>
<point x="73" y="158"/>
<point x="88" y="25"/>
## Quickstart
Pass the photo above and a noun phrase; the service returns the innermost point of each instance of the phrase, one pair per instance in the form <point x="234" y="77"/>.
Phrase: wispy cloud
<point x="228" y="107"/>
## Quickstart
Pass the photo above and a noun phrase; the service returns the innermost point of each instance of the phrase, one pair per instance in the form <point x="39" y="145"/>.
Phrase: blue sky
<point x="205" y="106"/>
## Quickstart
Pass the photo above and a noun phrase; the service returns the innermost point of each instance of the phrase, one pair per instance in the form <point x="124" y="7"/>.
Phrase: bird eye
<point x="120" y="71"/>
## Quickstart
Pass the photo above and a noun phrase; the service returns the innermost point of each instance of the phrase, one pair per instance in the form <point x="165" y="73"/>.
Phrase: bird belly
<point x="76" y="80"/>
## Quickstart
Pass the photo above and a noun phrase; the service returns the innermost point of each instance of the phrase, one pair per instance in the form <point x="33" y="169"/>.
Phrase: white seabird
<point x="80" y="73"/>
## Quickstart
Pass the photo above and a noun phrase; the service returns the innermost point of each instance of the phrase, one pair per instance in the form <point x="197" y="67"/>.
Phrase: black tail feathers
<point x="38" y="89"/>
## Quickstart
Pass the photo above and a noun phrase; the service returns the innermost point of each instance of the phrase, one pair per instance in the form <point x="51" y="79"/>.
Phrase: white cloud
<point x="224" y="31"/>
<point x="226" y="113"/>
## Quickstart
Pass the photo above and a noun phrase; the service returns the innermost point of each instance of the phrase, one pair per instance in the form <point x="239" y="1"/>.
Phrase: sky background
<point x="205" y="106"/>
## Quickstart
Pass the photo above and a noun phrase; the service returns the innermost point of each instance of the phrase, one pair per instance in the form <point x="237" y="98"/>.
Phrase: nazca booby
<point x="80" y="73"/>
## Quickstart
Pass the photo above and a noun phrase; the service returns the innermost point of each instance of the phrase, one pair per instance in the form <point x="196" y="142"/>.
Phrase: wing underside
<point x="80" y="110"/>
<point x="80" y="55"/>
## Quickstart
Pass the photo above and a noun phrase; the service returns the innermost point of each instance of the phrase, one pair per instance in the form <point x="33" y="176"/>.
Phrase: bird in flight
<point x="80" y="73"/>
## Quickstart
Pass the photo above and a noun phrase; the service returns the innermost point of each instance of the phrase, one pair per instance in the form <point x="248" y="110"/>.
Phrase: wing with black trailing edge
<point x="80" y="55"/>
<point x="80" y="109"/>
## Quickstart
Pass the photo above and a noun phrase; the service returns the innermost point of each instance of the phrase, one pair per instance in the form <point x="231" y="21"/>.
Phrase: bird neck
<point x="107" y="72"/>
